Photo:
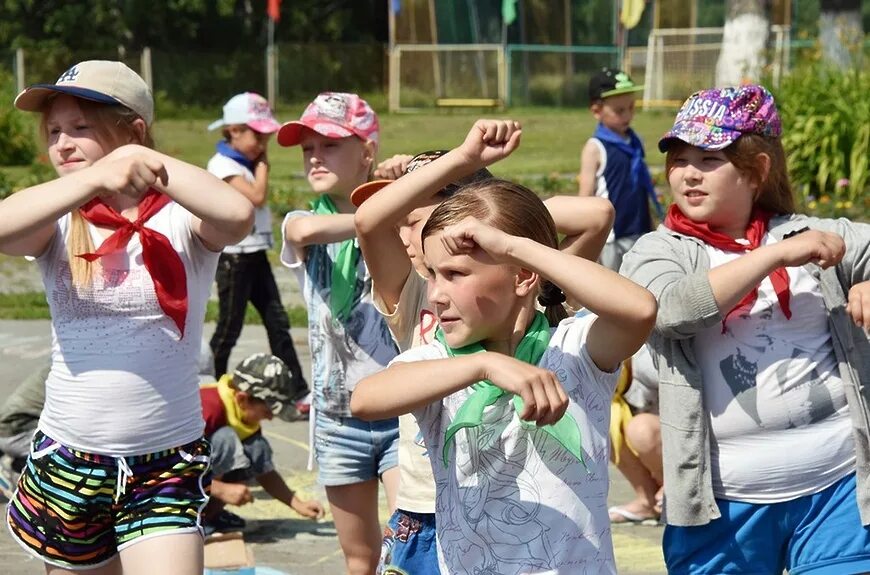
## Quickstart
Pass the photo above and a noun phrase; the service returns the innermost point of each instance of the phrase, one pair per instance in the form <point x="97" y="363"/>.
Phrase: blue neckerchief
<point x="639" y="172"/>
<point x="225" y="149"/>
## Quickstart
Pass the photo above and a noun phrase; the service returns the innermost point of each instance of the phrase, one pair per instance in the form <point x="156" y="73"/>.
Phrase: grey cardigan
<point x="674" y="268"/>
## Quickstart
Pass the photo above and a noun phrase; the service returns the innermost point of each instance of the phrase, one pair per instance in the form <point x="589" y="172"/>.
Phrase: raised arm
<point x="626" y="312"/>
<point x="585" y="222"/>
<point x="376" y="219"/>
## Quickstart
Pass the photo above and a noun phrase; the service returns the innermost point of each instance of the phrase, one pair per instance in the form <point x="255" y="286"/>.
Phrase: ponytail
<point x="552" y="299"/>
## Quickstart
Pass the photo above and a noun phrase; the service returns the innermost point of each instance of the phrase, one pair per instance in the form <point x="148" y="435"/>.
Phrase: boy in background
<point x="612" y="163"/>
<point x="233" y="409"/>
<point x="244" y="273"/>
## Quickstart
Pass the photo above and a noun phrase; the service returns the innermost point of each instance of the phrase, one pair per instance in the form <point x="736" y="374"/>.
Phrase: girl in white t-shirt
<point x="127" y="243"/>
<point x="519" y="452"/>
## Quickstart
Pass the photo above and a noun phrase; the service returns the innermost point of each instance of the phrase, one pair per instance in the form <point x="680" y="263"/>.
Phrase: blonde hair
<point x="774" y="188"/>
<point x="114" y="128"/>
<point x="507" y="206"/>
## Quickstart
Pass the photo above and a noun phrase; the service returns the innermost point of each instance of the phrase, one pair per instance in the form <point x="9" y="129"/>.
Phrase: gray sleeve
<point x="671" y="268"/>
<point x="855" y="266"/>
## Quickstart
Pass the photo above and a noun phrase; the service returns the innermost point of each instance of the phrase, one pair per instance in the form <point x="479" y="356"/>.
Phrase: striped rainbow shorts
<point x="77" y="510"/>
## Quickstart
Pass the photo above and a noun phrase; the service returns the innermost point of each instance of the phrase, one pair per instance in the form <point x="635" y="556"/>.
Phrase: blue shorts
<point x="350" y="450"/>
<point x="409" y="546"/>
<point x="819" y="534"/>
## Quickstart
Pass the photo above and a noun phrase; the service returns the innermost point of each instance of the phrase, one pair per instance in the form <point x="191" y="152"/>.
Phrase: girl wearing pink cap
<point x="127" y="244"/>
<point x="762" y="354"/>
<point x="338" y="134"/>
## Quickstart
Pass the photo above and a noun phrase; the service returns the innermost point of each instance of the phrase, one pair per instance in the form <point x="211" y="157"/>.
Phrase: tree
<point x="747" y="25"/>
<point x="841" y="32"/>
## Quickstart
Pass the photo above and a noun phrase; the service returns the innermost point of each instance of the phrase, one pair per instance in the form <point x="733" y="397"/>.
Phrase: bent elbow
<point x="647" y="312"/>
<point x="242" y="221"/>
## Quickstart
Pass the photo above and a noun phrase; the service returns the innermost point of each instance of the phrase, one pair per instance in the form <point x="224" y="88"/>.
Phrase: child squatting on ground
<point x="519" y="452"/>
<point x="338" y="134"/>
<point x="233" y="408"/>
<point x="388" y="224"/>
<point x="762" y="352"/>
<point x="127" y="243"/>
<point x="244" y="273"/>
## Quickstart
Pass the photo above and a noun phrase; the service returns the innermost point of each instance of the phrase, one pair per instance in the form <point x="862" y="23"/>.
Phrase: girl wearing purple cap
<point x="127" y="245"/>
<point x="338" y="134"/>
<point x="761" y="352"/>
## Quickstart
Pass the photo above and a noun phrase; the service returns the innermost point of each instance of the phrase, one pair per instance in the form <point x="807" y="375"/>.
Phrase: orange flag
<point x="273" y="9"/>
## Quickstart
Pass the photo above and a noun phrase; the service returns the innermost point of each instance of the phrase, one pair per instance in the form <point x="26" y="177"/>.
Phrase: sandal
<point x="622" y="515"/>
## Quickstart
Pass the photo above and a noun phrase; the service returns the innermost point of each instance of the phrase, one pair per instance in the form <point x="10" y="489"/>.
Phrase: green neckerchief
<point x="470" y="414"/>
<point x="343" y="267"/>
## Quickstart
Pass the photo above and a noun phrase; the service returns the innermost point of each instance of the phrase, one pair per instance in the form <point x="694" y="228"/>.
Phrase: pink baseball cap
<point x="250" y="109"/>
<point x="334" y="115"/>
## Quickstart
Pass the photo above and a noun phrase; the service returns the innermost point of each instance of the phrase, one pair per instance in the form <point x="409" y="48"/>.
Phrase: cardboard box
<point x="227" y="554"/>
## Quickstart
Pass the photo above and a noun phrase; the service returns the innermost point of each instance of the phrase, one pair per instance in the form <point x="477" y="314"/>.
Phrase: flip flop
<point x="626" y="516"/>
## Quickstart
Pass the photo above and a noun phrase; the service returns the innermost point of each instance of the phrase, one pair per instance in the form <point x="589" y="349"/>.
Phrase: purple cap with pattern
<point x="714" y="119"/>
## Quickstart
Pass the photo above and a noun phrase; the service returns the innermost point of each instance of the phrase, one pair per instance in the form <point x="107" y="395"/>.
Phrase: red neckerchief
<point x="160" y="258"/>
<point x="758" y="222"/>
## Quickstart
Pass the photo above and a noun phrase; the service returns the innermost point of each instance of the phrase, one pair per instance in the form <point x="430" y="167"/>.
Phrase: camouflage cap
<point x="266" y="377"/>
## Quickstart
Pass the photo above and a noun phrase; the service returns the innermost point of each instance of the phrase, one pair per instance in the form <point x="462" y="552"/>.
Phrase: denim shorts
<point x="350" y="450"/>
<point x="409" y="545"/>
<point x="818" y="534"/>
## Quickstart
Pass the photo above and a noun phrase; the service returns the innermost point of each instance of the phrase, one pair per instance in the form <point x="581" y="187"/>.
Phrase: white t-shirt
<point x="412" y="324"/>
<point x="260" y="237"/>
<point x="780" y="425"/>
<point x="121" y="381"/>
<point x="512" y="500"/>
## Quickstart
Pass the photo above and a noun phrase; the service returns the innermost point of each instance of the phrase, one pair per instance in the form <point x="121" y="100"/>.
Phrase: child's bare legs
<point x="644" y="485"/>
<point x="644" y="434"/>
<point x="355" y="512"/>
<point x="176" y="554"/>
<point x="112" y="568"/>
<point x="171" y="554"/>
<point x="390" y="478"/>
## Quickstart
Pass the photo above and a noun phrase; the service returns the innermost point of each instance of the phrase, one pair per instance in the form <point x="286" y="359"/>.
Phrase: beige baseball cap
<point x="103" y="81"/>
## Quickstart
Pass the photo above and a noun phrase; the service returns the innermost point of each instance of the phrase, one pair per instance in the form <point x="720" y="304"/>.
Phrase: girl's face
<point x="73" y="143"/>
<point x="708" y="188"/>
<point x="251" y="143"/>
<point x="335" y="165"/>
<point x="410" y="230"/>
<point x="474" y="297"/>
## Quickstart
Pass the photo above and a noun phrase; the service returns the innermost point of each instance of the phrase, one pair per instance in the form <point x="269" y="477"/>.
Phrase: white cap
<point x="250" y="109"/>
<point x="103" y="81"/>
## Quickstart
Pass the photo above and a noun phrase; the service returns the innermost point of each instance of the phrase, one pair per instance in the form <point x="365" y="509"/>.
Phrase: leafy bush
<point x="826" y="135"/>
<point x="17" y="146"/>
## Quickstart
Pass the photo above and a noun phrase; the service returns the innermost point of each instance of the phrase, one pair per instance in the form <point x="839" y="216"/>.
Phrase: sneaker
<point x="224" y="522"/>
<point x="8" y="476"/>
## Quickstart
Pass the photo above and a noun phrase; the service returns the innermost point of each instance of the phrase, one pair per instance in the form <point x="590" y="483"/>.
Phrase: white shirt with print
<point x="512" y="500"/>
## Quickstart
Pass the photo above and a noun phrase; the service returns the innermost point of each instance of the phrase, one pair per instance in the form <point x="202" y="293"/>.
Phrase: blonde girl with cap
<point x="127" y="245"/>
<point x="388" y="224"/>
<point x="762" y="354"/>
<point x="338" y="134"/>
<point x="513" y="406"/>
